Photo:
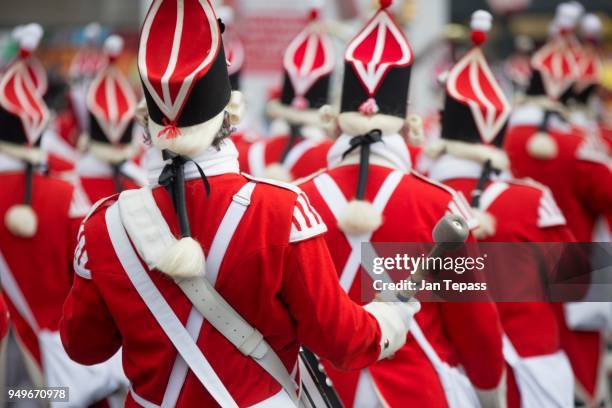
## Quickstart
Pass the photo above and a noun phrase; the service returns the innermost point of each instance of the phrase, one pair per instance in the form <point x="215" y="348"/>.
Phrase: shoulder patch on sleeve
<point x="80" y="256"/>
<point x="286" y="186"/>
<point x="549" y="213"/>
<point x="306" y="222"/>
<point x="80" y="204"/>
<point x="593" y="150"/>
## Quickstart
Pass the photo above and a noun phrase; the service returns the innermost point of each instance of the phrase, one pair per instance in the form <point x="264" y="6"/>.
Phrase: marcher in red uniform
<point x="40" y="220"/>
<point x="262" y="242"/>
<point x="107" y="166"/>
<point x="471" y="161"/>
<point x="395" y="204"/>
<point x="542" y="145"/>
<point x="308" y="65"/>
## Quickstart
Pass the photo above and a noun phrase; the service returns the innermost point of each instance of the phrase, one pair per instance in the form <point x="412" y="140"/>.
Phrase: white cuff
<point x="495" y="397"/>
<point x="394" y="319"/>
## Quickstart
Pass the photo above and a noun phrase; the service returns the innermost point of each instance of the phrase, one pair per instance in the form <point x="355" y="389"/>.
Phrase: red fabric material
<point x="581" y="189"/>
<point x="311" y="161"/>
<point x="531" y="326"/>
<point x="288" y="291"/>
<point x="467" y="333"/>
<point x="42" y="265"/>
<point x="99" y="188"/>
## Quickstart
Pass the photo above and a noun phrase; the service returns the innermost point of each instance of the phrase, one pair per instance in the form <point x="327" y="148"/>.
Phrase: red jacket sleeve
<point x="475" y="331"/>
<point x="593" y="181"/>
<point x="328" y="322"/>
<point x="87" y="328"/>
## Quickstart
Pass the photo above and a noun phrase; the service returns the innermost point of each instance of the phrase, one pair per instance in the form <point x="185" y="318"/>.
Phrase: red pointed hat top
<point x="589" y="63"/>
<point x="89" y="59"/>
<point x="28" y="37"/>
<point x="110" y="98"/>
<point x="557" y="61"/>
<point x="309" y="57"/>
<point x="19" y="91"/>
<point x="379" y="47"/>
<point x="179" y="43"/>
<point x="472" y="83"/>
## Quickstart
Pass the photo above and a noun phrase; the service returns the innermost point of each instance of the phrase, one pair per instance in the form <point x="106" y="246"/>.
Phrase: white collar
<point x="213" y="162"/>
<point x="532" y="114"/>
<point x="9" y="164"/>
<point x="90" y="166"/>
<point x="392" y="150"/>
<point x="448" y="167"/>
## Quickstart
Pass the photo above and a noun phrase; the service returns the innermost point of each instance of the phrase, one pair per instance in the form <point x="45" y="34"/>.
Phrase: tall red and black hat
<point x="111" y="101"/>
<point x="23" y="112"/>
<point x="28" y="38"/>
<point x="308" y="65"/>
<point x="555" y="65"/>
<point x="476" y="109"/>
<point x="377" y="68"/>
<point x="182" y="63"/>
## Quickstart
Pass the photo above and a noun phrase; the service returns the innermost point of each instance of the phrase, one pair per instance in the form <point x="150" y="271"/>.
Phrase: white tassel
<point x="21" y="221"/>
<point x="277" y="172"/>
<point x="183" y="260"/>
<point x="416" y="133"/>
<point x="487" y="225"/>
<point x="327" y="114"/>
<point x="542" y="146"/>
<point x="359" y="218"/>
<point x="113" y="46"/>
<point x="236" y="108"/>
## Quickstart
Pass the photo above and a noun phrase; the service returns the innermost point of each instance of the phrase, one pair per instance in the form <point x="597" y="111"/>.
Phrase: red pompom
<point x="479" y="37"/>
<point x="23" y="53"/>
<point x="314" y="14"/>
<point x="385" y="4"/>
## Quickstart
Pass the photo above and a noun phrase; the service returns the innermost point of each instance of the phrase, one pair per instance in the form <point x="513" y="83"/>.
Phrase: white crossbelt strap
<point x="162" y="312"/>
<point x="13" y="292"/>
<point x="491" y="194"/>
<point x="256" y="156"/>
<point x="297" y="152"/>
<point x="337" y="203"/>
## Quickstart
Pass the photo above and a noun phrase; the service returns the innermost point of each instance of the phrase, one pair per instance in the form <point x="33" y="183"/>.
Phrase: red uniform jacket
<point x="523" y="212"/>
<point x="580" y="182"/>
<point x="577" y="177"/>
<point x="277" y="273"/>
<point x="305" y="157"/>
<point x="466" y="334"/>
<point x="41" y="266"/>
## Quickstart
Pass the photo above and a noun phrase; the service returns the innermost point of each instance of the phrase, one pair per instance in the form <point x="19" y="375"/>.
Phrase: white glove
<point x="394" y="319"/>
<point x="493" y="398"/>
